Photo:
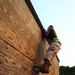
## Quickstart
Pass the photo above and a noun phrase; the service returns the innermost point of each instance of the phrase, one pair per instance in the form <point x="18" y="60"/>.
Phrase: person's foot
<point x="44" y="68"/>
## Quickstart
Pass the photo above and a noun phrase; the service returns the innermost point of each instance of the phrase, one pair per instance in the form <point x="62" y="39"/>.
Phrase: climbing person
<point x="51" y="51"/>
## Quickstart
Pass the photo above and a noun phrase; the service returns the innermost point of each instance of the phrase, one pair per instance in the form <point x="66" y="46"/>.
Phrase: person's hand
<point x="46" y="32"/>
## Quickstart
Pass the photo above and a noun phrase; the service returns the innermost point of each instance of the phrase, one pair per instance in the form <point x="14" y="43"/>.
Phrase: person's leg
<point x="52" y="50"/>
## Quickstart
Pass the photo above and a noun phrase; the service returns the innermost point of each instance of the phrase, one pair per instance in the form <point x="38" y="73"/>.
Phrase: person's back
<point x="52" y="34"/>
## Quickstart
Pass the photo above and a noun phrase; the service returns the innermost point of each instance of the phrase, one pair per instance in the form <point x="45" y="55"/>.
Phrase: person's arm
<point x="46" y="33"/>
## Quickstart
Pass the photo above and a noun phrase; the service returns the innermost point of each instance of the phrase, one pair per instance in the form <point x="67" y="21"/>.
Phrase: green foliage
<point x="66" y="70"/>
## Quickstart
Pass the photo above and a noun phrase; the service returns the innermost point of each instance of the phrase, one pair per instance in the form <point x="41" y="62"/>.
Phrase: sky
<point x="60" y="14"/>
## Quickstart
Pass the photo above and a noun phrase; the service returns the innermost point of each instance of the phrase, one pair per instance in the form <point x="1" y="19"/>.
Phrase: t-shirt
<point x="52" y="34"/>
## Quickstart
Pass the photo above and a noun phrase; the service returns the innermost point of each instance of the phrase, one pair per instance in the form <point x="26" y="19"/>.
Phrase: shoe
<point x="44" y="68"/>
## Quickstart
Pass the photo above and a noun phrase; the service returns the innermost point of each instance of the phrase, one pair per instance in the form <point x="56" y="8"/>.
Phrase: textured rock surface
<point x="21" y="42"/>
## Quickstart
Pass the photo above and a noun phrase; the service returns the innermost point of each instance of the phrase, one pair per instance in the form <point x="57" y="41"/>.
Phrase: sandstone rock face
<point x="21" y="41"/>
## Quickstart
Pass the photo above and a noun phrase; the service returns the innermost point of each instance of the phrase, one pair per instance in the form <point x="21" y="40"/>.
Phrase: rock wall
<point x="21" y="42"/>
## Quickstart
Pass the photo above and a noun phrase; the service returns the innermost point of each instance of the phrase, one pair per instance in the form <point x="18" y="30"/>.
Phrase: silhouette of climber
<point x="51" y="51"/>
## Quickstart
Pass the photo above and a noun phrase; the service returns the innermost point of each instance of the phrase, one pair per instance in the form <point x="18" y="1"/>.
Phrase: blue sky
<point x="60" y="14"/>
